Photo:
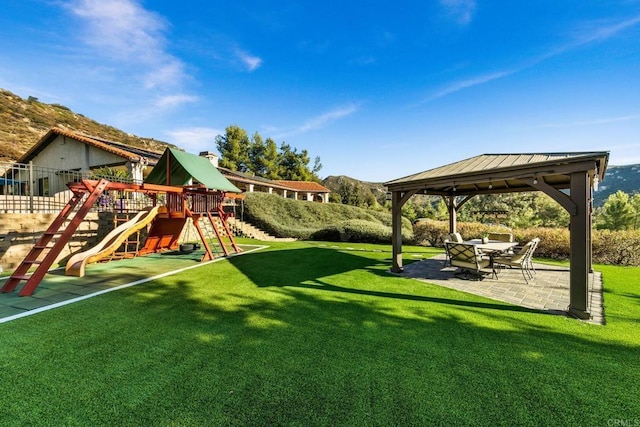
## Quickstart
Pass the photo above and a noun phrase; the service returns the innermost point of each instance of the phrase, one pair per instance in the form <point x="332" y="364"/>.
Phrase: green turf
<point x="319" y="334"/>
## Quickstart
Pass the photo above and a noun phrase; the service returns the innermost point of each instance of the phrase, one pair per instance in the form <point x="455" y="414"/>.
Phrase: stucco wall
<point x="68" y="154"/>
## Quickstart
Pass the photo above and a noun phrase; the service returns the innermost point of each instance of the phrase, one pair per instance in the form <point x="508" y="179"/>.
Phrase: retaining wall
<point x="19" y="232"/>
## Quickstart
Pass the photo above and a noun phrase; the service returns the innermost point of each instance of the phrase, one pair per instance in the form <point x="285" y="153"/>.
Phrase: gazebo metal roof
<point x="502" y="173"/>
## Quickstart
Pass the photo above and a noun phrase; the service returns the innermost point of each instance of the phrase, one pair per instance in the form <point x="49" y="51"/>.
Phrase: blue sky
<point x="377" y="89"/>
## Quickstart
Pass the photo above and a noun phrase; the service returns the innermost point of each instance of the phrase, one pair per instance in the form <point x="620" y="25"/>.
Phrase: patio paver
<point x="548" y="291"/>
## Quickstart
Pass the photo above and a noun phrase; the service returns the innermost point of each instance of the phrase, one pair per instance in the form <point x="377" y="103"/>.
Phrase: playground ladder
<point x="125" y="252"/>
<point x="227" y="230"/>
<point x="46" y="250"/>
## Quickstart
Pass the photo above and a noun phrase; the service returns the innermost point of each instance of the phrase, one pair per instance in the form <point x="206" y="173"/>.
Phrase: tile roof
<point x="309" y="186"/>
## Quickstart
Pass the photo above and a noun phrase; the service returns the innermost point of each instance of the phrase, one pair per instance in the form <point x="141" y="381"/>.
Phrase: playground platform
<point x="57" y="289"/>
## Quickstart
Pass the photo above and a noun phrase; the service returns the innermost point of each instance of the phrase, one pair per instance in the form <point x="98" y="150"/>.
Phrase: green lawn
<point x="304" y="334"/>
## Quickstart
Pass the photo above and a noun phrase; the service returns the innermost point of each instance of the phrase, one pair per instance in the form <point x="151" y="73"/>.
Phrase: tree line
<point x="263" y="158"/>
<point x="620" y="211"/>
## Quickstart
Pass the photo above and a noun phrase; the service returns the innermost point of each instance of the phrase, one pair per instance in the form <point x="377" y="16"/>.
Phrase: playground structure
<point x="172" y="206"/>
<point x="117" y="237"/>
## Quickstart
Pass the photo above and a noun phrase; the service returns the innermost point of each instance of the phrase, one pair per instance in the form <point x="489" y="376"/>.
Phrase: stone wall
<point x="19" y="232"/>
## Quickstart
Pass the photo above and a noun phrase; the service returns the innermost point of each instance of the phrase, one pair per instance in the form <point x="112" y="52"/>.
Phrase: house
<point x="311" y="191"/>
<point x="63" y="156"/>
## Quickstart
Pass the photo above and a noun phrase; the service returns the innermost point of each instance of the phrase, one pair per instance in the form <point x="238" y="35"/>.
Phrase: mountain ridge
<point x="24" y="121"/>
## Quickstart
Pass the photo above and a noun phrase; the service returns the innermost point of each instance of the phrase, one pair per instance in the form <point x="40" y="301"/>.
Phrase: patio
<point x="548" y="291"/>
<point x="568" y="178"/>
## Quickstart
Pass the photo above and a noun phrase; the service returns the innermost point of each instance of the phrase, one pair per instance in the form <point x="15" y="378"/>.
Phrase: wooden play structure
<point x="182" y="187"/>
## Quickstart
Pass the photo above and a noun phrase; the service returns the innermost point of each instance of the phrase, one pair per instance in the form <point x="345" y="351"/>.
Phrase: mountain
<point x="355" y="192"/>
<point x="624" y="178"/>
<point x="24" y="121"/>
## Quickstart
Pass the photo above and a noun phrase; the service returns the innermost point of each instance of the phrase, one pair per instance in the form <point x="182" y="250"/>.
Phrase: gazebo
<point x="568" y="178"/>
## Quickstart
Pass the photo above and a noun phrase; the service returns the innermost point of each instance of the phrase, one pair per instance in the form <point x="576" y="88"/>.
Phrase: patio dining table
<point x="492" y="246"/>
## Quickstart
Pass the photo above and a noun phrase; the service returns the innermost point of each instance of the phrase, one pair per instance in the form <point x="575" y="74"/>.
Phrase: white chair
<point x="455" y="237"/>
<point x="521" y="259"/>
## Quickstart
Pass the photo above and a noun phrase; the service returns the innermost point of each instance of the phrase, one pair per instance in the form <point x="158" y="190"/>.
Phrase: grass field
<point x="305" y="334"/>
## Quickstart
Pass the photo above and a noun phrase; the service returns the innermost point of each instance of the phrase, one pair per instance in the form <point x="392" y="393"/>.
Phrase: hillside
<point x="24" y="121"/>
<point x="355" y="192"/>
<point x="624" y="178"/>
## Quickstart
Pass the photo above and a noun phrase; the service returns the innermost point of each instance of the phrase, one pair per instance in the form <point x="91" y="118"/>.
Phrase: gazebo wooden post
<point x="579" y="246"/>
<point x="453" y="214"/>
<point x="396" y="231"/>
<point x="398" y="199"/>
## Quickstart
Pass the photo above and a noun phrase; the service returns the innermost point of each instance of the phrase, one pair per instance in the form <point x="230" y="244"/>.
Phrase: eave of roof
<point x="491" y="173"/>
<point x="102" y="144"/>
<point x="249" y="179"/>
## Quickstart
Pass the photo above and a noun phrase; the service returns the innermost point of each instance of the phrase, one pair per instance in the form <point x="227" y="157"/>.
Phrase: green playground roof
<point x="185" y="169"/>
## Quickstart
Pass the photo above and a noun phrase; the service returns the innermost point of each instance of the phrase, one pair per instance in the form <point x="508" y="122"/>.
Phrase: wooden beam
<point x="563" y="199"/>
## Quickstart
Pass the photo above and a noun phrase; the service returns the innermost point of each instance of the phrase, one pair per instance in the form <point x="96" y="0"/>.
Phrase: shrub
<point x="616" y="247"/>
<point x="357" y="230"/>
<point x="327" y="221"/>
<point x="429" y="232"/>
<point x="608" y="247"/>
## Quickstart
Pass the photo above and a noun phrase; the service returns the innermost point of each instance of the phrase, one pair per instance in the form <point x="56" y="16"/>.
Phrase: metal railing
<point x="25" y="188"/>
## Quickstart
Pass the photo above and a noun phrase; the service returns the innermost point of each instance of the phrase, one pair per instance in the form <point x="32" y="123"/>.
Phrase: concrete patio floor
<point x="548" y="291"/>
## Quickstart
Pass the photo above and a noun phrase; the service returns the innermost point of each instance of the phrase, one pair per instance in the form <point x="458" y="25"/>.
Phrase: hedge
<point x="282" y="217"/>
<point x="608" y="247"/>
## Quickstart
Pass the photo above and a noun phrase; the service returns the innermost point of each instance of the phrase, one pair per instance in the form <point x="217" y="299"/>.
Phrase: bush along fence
<point x="609" y="247"/>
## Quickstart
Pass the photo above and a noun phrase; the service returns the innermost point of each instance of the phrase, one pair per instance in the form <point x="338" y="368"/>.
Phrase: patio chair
<point x="472" y="263"/>
<point x="502" y="237"/>
<point x="455" y="238"/>
<point x="521" y="259"/>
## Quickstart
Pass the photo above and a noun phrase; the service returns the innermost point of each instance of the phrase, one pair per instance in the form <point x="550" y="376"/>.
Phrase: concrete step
<point x="244" y="229"/>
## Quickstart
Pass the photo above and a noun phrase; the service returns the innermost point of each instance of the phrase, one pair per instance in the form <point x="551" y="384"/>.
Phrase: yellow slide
<point x="108" y="245"/>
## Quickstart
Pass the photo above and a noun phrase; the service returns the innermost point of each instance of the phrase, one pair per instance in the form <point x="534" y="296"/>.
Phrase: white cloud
<point x="461" y="10"/>
<point x="121" y="28"/>
<point x="603" y="32"/>
<point x="593" y="122"/>
<point x="125" y="32"/>
<point x="321" y="121"/>
<point x="467" y="83"/>
<point x="171" y="101"/>
<point x="165" y="75"/>
<point x="196" y="139"/>
<point x="251" y="62"/>
<point x="585" y="37"/>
